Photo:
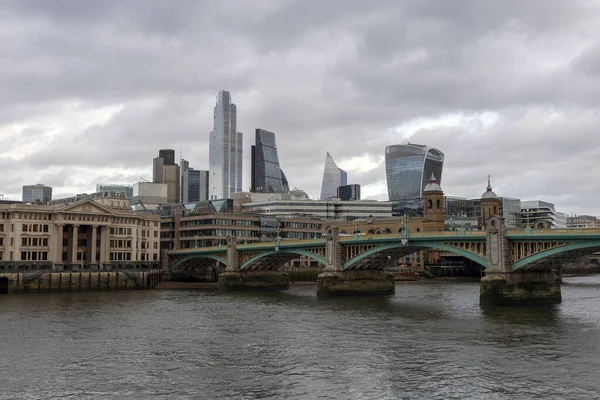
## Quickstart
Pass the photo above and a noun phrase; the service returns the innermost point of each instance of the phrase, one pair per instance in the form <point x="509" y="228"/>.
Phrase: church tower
<point x="490" y="205"/>
<point x="433" y="206"/>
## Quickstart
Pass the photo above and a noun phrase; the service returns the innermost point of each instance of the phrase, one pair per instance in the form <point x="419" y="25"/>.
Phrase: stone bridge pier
<point x="233" y="278"/>
<point x="336" y="281"/>
<point x="501" y="286"/>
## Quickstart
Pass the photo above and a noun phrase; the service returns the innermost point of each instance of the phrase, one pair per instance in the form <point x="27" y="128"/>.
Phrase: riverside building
<point x="81" y="235"/>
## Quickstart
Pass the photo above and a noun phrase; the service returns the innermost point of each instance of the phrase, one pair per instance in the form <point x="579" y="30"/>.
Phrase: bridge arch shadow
<point x="198" y="267"/>
<point x="3" y="285"/>
<point x="550" y="258"/>
<point x="273" y="260"/>
<point x="380" y="255"/>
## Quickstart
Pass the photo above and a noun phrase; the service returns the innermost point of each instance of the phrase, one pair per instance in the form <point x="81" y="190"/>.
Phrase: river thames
<point x="431" y="340"/>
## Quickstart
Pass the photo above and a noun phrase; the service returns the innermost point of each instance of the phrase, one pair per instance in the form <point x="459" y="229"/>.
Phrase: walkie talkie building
<point x="408" y="168"/>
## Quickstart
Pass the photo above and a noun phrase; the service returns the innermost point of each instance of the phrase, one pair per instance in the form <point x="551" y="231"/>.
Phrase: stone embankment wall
<point x="50" y="282"/>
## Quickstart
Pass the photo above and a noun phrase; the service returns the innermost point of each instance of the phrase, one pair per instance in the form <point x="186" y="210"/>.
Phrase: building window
<point x="429" y="204"/>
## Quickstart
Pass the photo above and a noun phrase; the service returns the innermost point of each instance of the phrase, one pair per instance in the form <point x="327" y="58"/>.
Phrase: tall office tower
<point x="37" y="192"/>
<point x="408" y="168"/>
<point x="349" y="192"/>
<point x="168" y="155"/>
<point x="333" y="177"/>
<point x="165" y="170"/>
<point x="116" y="187"/>
<point x="267" y="176"/>
<point x="194" y="184"/>
<point x="225" y="151"/>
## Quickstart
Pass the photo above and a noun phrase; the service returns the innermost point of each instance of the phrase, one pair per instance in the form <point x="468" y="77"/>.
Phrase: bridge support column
<point x="254" y="280"/>
<point x="335" y="281"/>
<point x="235" y="279"/>
<point x="355" y="283"/>
<point x="501" y="286"/>
<point x="520" y="288"/>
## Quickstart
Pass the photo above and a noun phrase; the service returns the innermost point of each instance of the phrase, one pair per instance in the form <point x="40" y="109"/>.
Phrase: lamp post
<point x="277" y="238"/>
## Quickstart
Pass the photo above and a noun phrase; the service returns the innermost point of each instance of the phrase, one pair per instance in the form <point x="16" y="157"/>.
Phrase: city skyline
<point x="497" y="92"/>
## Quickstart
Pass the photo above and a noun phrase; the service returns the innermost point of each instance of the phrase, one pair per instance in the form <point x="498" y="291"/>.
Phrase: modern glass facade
<point x="457" y="208"/>
<point x="194" y="186"/>
<point x="116" y="187"/>
<point x="225" y="151"/>
<point x="333" y="177"/>
<point x="536" y="211"/>
<point x="267" y="176"/>
<point x="37" y="192"/>
<point x="349" y="192"/>
<point x="408" y="168"/>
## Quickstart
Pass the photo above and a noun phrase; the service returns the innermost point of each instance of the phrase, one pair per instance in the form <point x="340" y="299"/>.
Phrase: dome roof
<point x="432" y="186"/>
<point x="489" y="193"/>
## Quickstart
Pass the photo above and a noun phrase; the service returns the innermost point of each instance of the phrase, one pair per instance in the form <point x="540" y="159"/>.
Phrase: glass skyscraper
<point x="267" y="176"/>
<point x="194" y="183"/>
<point x="37" y="192"/>
<point x="408" y="168"/>
<point x="333" y="178"/>
<point x="225" y="151"/>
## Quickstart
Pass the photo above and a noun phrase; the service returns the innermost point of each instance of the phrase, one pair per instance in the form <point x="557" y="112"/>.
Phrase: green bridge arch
<point x="191" y="257"/>
<point x="420" y="244"/>
<point x="285" y="251"/>
<point x="551" y="252"/>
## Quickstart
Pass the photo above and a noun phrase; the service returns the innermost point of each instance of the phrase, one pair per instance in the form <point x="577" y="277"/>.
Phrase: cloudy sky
<point x="90" y="90"/>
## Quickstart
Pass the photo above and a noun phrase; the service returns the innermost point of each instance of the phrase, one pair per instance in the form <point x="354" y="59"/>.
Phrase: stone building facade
<point x="81" y="235"/>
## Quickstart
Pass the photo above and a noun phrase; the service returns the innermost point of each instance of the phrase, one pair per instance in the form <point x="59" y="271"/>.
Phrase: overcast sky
<point x="91" y="90"/>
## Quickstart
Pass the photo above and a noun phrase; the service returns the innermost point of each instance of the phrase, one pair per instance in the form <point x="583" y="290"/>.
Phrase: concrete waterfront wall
<point x="50" y="282"/>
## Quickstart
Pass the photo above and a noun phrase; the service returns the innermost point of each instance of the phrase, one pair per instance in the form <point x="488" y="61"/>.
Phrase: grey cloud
<point x="338" y="76"/>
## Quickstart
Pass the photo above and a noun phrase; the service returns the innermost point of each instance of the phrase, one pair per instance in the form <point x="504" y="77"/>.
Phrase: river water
<point x="431" y="341"/>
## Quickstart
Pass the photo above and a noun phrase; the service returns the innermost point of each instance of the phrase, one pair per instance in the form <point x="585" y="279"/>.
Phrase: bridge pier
<point x="249" y="280"/>
<point x="335" y="281"/>
<point x="520" y="288"/>
<point x="501" y="286"/>
<point x="355" y="283"/>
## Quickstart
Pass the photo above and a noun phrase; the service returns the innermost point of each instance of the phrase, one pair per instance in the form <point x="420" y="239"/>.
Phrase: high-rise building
<point x="194" y="184"/>
<point x="168" y="155"/>
<point x="37" y="192"/>
<point x="349" y="192"/>
<point x="267" y="176"/>
<point x="333" y="177"/>
<point x="165" y="170"/>
<point x="408" y="168"/>
<point x="116" y="187"/>
<point x="225" y="151"/>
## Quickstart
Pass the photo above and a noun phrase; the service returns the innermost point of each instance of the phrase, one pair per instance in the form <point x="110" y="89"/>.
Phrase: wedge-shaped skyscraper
<point x="333" y="177"/>
<point x="267" y="176"/>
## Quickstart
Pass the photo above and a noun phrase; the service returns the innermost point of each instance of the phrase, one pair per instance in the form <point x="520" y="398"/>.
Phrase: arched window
<point x="438" y="203"/>
<point x="429" y="203"/>
<point x="495" y="212"/>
